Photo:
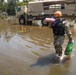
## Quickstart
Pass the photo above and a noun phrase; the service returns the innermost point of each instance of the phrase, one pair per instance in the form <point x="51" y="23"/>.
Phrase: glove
<point x="70" y="40"/>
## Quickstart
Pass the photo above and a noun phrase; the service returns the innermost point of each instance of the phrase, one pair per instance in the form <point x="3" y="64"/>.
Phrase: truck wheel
<point x="22" y="21"/>
<point x="44" y="23"/>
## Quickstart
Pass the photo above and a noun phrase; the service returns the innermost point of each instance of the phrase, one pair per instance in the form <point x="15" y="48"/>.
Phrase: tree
<point x="11" y="7"/>
<point x="26" y="1"/>
<point x="3" y="5"/>
<point x="1" y="1"/>
<point x="12" y="4"/>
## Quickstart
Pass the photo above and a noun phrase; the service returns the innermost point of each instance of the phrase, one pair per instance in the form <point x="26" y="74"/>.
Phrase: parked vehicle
<point x="39" y="10"/>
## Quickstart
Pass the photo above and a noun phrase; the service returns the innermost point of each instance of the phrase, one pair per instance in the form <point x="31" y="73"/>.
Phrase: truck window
<point x="55" y="6"/>
<point x="18" y="9"/>
<point x="62" y="6"/>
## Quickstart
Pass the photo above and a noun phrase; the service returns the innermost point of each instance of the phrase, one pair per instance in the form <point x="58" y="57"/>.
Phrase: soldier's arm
<point x="67" y="30"/>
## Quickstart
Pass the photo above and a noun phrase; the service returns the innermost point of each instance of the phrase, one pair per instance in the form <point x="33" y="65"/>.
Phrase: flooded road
<point x="29" y="50"/>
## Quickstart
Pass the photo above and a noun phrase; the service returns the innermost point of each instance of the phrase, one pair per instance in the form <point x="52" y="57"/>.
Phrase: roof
<point x="55" y="1"/>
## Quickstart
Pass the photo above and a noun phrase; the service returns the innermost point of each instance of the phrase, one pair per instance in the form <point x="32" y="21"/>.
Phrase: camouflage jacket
<point x="67" y="29"/>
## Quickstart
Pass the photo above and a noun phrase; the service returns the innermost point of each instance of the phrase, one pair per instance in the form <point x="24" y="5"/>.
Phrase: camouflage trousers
<point x="58" y="42"/>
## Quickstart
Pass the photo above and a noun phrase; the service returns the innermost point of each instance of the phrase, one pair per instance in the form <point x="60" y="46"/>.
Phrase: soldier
<point x="59" y="27"/>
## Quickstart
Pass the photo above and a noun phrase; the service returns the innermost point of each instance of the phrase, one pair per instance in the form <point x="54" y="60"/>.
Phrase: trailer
<point x="39" y="10"/>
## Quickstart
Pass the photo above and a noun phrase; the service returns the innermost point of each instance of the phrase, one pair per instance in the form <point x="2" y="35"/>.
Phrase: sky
<point x="21" y="0"/>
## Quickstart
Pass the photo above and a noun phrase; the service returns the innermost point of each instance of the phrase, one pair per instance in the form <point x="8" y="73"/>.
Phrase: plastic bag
<point x="69" y="48"/>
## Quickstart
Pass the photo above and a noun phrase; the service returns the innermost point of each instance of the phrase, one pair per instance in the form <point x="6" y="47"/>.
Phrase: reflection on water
<point x="29" y="50"/>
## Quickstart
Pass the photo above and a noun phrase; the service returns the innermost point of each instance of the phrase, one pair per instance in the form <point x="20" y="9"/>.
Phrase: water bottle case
<point x="69" y="48"/>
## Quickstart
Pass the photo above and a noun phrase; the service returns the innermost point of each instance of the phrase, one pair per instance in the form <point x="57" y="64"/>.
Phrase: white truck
<point x="39" y="10"/>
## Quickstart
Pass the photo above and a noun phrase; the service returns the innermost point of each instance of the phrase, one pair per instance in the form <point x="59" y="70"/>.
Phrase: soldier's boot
<point x="60" y="53"/>
<point x="57" y="56"/>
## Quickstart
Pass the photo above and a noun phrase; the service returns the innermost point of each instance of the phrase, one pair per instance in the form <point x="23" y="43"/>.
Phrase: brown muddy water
<point x="29" y="50"/>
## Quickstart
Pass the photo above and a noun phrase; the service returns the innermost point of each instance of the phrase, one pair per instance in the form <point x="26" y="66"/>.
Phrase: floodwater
<point x="29" y="50"/>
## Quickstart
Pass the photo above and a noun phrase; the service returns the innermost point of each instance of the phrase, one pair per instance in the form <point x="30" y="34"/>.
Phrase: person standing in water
<point x="59" y="27"/>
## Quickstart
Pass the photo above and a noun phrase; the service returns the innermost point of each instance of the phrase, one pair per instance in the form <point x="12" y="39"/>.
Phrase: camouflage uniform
<point x="59" y="40"/>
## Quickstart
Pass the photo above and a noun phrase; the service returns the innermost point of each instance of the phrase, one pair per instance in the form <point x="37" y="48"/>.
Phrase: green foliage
<point x="1" y="1"/>
<point x="25" y="2"/>
<point x="11" y="11"/>
<point x="3" y="6"/>
<point x="20" y="3"/>
<point x="10" y="6"/>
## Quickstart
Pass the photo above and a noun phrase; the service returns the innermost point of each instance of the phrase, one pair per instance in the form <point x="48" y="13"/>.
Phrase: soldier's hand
<point x="70" y="40"/>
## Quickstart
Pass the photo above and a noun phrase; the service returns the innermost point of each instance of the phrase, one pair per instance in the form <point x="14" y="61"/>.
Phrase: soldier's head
<point x="58" y="15"/>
